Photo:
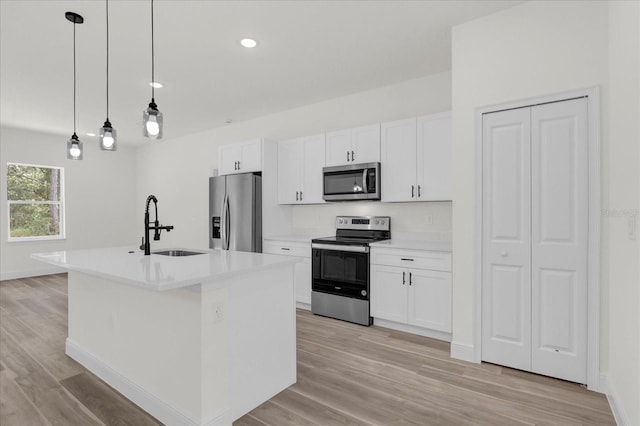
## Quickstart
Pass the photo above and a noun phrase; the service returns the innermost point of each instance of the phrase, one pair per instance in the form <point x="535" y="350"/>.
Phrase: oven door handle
<point x="337" y="247"/>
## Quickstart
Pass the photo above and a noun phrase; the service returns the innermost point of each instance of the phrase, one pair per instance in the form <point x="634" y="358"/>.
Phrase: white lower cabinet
<point x="302" y="270"/>
<point x="409" y="295"/>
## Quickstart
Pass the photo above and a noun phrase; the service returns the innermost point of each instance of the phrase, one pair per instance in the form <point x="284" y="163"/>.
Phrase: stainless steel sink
<point x="177" y="252"/>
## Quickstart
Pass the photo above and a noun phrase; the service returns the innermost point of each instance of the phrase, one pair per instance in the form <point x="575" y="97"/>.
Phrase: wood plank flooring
<point x="347" y="375"/>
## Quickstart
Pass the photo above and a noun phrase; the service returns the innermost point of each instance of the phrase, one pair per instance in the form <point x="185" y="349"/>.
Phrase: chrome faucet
<point x="156" y="226"/>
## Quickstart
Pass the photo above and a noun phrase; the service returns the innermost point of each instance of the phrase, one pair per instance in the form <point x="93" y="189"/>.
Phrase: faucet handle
<point x="142" y="244"/>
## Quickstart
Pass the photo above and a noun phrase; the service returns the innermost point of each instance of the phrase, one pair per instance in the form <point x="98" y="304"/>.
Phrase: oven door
<point x="340" y="270"/>
<point x="352" y="182"/>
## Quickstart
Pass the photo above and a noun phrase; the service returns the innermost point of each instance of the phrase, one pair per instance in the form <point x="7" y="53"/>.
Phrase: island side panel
<point x="262" y="336"/>
<point x="149" y="338"/>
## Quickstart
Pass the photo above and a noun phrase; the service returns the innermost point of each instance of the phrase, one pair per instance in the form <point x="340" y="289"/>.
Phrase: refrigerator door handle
<point x="227" y="222"/>
<point x="223" y="223"/>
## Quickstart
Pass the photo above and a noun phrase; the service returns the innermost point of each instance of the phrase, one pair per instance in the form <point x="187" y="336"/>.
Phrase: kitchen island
<point x="193" y="340"/>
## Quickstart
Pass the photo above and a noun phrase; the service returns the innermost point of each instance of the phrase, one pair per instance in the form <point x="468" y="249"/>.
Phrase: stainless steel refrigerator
<point x="235" y="212"/>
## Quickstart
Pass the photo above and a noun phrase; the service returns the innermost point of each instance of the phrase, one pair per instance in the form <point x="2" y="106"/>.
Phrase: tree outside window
<point x="35" y="202"/>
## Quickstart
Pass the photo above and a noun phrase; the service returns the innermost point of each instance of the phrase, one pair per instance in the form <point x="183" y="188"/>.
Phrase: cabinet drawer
<point x="287" y="248"/>
<point x="433" y="260"/>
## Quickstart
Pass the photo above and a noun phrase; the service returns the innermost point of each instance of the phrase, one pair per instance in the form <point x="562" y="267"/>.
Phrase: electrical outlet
<point x="218" y="312"/>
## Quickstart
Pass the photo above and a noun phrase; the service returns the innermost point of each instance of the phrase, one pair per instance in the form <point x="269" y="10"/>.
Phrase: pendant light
<point x="151" y="117"/>
<point x="74" y="146"/>
<point x="107" y="132"/>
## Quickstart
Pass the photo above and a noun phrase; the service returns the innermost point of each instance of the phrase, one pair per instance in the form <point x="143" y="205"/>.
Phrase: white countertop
<point x="157" y="272"/>
<point x="428" y="245"/>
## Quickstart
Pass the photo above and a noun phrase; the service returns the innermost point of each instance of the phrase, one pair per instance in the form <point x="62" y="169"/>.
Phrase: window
<point x="35" y="201"/>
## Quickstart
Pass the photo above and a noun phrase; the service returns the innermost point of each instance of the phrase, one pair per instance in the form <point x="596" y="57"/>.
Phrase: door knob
<point x="504" y="253"/>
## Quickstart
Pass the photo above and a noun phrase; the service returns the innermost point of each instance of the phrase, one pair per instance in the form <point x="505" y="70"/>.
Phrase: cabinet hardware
<point x="347" y="156"/>
<point x="297" y="199"/>
<point x="413" y="191"/>
<point x="353" y="156"/>
<point x="300" y="195"/>
<point x="407" y="259"/>
<point x="403" y="278"/>
<point x="238" y="165"/>
<point x="419" y="191"/>
<point x="409" y="278"/>
<point x="285" y="248"/>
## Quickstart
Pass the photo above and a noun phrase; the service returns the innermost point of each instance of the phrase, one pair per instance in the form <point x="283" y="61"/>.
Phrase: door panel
<point x="388" y="293"/>
<point x="313" y="160"/>
<point x="365" y="144"/>
<point x="338" y="145"/>
<point x="289" y="170"/>
<point x="506" y="252"/>
<point x="435" y="154"/>
<point x="430" y="299"/>
<point x="559" y="184"/>
<point x="242" y="212"/>
<point x="398" y="159"/>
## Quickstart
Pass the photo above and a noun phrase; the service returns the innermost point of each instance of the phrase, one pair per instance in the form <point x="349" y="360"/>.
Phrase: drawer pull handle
<point x="403" y="278"/>
<point x="285" y="248"/>
<point x="407" y="259"/>
<point x="409" y="278"/>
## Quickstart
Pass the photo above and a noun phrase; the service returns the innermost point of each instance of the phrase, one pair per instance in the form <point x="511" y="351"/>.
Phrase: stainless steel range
<point x="340" y="268"/>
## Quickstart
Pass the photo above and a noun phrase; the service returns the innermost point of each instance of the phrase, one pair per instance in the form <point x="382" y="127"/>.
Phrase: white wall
<point x="623" y="205"/>
<point x="535" y="49"/>
<point x="183" y="191"/>
<point x="99" y="198"/>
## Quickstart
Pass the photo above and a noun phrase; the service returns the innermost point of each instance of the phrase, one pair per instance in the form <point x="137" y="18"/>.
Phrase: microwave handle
<point x="365" y="176"/>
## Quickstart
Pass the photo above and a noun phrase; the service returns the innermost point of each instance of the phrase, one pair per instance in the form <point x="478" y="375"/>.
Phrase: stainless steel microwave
<point x="351" y="182"/>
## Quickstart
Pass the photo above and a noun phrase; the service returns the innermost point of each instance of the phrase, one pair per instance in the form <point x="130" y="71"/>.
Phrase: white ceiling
<point x="308" y="51"/>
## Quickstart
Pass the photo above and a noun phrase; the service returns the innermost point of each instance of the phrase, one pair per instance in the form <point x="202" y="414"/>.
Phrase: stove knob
<point x="340" y="221"/>
<point x="382" y="222"/>
<point x="363" y="293"/>
<point x="377" y="222"/>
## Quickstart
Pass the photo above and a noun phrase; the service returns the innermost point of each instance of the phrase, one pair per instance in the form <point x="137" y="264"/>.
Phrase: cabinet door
<point x="434" y="158"/>
<point x="338" y="147"/>
<point x="389" y="293"/>
<point x="398" y="159"/>
<point x="251" y="157"/>
<point x="430" y="299"/>
<point x="228" y="157"/>
<point x="302" y="279"/>
<point x="365" y="144"/>
<point x="313" y="162"/>
<point x="289" y="171"/>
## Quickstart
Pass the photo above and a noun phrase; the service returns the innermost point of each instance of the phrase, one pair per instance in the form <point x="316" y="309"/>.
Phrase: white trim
<point x="463" y="352"/>
<point x="619" y="413"/>
<point x="137" y="394"/>
<point x="303" y="305"/>
<point x="407" y="328"/>
<point x="31" y="273"/>
<point x="593" y="273"/>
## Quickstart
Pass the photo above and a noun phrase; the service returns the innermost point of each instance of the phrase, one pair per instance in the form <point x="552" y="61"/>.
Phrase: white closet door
<point x="559" y="186"/>
<point x="506" y="228"/>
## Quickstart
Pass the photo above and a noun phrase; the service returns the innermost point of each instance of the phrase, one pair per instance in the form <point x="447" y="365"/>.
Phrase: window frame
<point x="61" y="205"/>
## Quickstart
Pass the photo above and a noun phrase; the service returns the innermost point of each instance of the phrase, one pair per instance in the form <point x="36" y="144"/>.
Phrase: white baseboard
<point x="433" y="334"/>
<point x="302" y="305"/>
<point x="14" y="275"/>
<point x="137" y="394"/>
<point x="619" y="413"/>
<point x="463" y="351"/>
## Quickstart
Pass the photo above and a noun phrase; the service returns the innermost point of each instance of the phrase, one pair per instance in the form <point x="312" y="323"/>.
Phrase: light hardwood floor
<point x="347" y="375"/>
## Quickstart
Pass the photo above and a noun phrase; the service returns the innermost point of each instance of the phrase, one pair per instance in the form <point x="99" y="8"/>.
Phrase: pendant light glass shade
<point x="151" y="117"/>
<point x="74" y="148"/>
<point x="108" y="137"/>
<point x="107" y="132"/>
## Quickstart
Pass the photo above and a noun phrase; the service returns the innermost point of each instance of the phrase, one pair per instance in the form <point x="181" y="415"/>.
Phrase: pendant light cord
<point x="107" y="8"/>
<point x="74" y="78"/>
<point x="153" y="80"/>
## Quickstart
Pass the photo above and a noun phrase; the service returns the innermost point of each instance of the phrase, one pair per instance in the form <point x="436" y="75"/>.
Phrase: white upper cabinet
<point x="353" y="146"/>
<point x="300" y="163"/>
<point x="416" y="159"/>
<point x="240" y="157"/>
<point x="398" y="160"/>
<point x="436" y="155"/>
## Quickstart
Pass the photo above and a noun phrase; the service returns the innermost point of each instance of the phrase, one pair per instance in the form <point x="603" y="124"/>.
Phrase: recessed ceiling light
<point x="91" y="134"/>
<point x="155" y="85"/>
<point x="248" y="42"/>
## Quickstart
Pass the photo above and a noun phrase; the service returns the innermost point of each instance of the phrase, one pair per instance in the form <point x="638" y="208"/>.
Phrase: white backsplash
<point x="405" y="217"/>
